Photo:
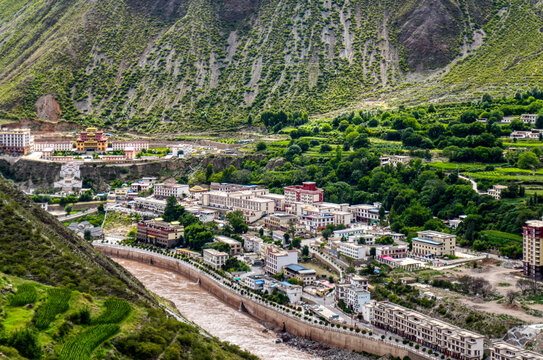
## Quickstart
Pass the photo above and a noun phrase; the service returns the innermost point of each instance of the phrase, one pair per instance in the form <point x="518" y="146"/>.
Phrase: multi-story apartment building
<point x="248" y="202"/>
<point x="136" y="145"/>
<point x="354" y="292"/>
<point x="279" y="221"/>
<point x="529" y="118"/>
<point x="18" y="141"/>
<point x="501" y="350"/>
<point x="235" y="246"/>
<point x="317" y="221"/>
<point x="150" y="204"/>
<point x="532" y="242"/>
<point x="438" y="335"/>
<point x="228" y="188"/>
<point x="356" y="297"/>
<point x="159" y="232"/>
<point x="276" y="259"/>
<point x="379" y="232"/>
<point x="393" y="160"/>
<point x="279" y="200"/>
<point x="54" y="145"/>
<point x="354" y="231"/>
<point x="252" y="243"/>
<point x="366" y="213"/>
<point x="354" y="251"/>
<point x="496" y="191"/>
<point x="144" y="184"/>
<point x="91" y="140"/>
<point x="215" y="259"/>
<point x="165" y="190"/>
<point x="307" y="193"/>
<point x="395" y="252"/>
<point x="431" y="243"/>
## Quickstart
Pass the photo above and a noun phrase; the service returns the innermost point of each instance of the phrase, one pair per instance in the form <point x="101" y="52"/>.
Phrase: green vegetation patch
<point x="57" y="303"/>
<point x="116" y="311"/>
<point x="82" y="346"/>
<point x="26" y="294"/>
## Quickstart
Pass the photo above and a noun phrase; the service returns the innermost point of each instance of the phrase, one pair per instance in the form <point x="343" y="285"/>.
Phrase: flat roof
<point x="298" y="268"/>
<point x="431" y="242"/>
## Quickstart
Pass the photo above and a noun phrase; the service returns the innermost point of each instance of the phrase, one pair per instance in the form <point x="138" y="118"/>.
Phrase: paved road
<point x="473" y="184"/>
<point x="77" y="215"/>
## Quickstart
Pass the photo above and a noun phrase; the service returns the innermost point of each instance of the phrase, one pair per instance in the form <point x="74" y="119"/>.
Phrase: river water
<point x="208" y="312"/>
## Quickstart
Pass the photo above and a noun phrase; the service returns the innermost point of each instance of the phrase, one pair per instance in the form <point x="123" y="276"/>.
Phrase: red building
<point x="159" y="232"/>
<point x="307" y="193"/>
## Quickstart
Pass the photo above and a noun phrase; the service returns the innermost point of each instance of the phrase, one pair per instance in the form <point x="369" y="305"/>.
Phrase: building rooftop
<point x="299" y="268"/>
<point x="215" y="252"/>
<point x="426" y="241"/>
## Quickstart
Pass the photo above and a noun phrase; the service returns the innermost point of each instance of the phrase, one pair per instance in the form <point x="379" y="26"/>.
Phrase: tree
<point x="528" y="160"/>
<point x="296" y="242"/>
<point x="384" y="240"/>
<point x="87" y="235"/>
<point x="237" y="222"/>
<point x="172" y="212"/>
<point x="292" y="152"/>
<point x="68" y="209"/>
<point x="197" y="236"/>
<point x="373" y="251"/>
<point x="209" y="171"/>
<point x="539" y="122"/>
<point x="305" y="250"/>
<point x="261" y="146"/>
<point x="326" y="233"/>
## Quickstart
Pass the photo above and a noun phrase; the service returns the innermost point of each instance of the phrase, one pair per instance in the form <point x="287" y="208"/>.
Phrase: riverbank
<point x="264" y="311"/>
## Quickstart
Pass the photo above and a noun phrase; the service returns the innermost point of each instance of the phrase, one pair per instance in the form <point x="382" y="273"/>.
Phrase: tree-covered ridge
<point x="164" y="65"/>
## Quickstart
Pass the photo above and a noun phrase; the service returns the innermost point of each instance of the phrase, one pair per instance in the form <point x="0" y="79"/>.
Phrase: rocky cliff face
<point x="182" y="64"/>
<point x="31" y="174"/>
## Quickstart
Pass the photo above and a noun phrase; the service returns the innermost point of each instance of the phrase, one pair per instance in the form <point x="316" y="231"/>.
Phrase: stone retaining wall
<point x="261" y="311"/>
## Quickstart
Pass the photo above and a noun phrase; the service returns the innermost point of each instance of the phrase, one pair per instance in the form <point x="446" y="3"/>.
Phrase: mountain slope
<point x="164" y="65"/>
<point x="39" y="253"/>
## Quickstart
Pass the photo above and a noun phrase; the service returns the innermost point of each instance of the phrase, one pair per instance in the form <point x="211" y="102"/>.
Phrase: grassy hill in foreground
<point x="60" y="299"/>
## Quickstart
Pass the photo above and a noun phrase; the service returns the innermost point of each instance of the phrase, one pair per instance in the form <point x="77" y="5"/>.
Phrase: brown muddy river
<point x="219" y="319"/>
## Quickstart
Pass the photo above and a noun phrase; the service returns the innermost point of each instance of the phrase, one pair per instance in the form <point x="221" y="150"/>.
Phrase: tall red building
<point x="307" y="193"/>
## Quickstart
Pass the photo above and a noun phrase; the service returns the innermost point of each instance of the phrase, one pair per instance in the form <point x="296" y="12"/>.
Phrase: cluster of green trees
<point x="275" y="121"/>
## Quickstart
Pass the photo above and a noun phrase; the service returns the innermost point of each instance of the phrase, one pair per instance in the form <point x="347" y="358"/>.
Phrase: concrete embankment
<point x="335" y="337"/>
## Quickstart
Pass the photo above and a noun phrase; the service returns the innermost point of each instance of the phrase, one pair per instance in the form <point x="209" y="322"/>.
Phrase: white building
<point x="207" y="216"/>
<point x="150" y="204"/>
<point x="496" y="191"/>
<point x="355" y="231"/>
<point x="145" y="184"/>
<point x="182" y="150"/>
<point x="427" y="331"/>
<point x="248" y="202"/>
<point x="501" y="350"/>
<point x="277" y="258"/>
<point x="54" y="145"/>
<point x="137" y="145"/>
<point x="165" y="190"/>
<point x="215" y="259"/>
<point x="366" y="213"/>
<point x="252" y="243"/>
<point x="529" y="118"/>
<point x="16" y="141"/>
<point x="294" y="292"/>
<point x="356" y="297"/>
<point x="393" y="160"/>
<point x="352" y="250"/>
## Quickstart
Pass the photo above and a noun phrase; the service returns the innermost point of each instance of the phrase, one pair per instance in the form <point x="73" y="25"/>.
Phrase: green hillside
<point x="180" y="65"/>
<point x="60" y="299"/>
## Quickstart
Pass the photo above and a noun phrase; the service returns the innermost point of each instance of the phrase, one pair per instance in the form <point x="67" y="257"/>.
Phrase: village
<point x="294" y="247"/>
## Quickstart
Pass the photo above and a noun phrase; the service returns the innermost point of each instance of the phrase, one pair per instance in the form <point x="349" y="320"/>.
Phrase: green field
<point x="57" y="303"/>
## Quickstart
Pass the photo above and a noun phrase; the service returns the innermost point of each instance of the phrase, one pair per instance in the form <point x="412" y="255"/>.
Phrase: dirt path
<point x="500" y="309"/>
